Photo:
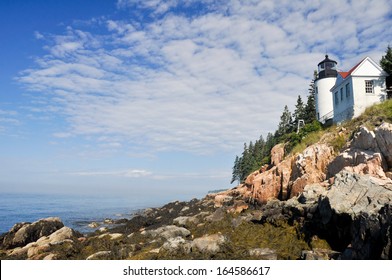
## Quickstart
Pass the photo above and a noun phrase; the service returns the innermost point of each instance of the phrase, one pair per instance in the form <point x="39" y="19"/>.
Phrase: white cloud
<point x="38" y="35"/>
<point x="201" y="82"/>
<point x="158" y="7"/>
<point x="129" y="173"/>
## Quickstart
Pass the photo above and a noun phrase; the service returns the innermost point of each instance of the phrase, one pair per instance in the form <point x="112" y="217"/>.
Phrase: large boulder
<point x="22" y="234"/>
<point x="65" y="233"/>
<point x="35" y="250"/>
<point x="358" y="161"/>
<point x="364" y="139"/>
<point x="374" y="166"/>
<point x="369" y="153"/>
<point x="209" y="244"/>
<point x="167" y="232"/>
<point x="353" y="194"/>
<point x="176" y="245"/>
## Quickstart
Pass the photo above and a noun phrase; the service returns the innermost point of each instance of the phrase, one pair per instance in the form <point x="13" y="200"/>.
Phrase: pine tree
<point x="285" y="122"/>
<point x="386" y="61"/>
<point x="269" y="144"/>
<point x="236" y="171"/>
<point x="299" y="112"/>
<point x="310" y="108"/>
<point x="252" y="157"/>
<point x="247" y="161"/>
<point x="258" y="152"/>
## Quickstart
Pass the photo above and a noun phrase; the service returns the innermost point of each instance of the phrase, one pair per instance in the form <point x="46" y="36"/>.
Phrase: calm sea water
<point x="74" y="211"/>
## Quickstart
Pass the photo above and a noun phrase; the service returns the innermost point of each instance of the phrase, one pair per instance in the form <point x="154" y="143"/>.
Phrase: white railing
<point x="326" y="117"/>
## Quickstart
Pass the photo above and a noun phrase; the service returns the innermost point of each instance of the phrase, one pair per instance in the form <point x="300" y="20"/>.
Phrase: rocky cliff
<point x="369" y="152"/>
<point x="317" y="204"/>
<point x="345" y="197"/>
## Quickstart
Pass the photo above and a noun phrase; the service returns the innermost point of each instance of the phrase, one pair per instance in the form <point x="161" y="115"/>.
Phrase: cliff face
<point x="288" y="177"/>
<point x="368" y="153"/>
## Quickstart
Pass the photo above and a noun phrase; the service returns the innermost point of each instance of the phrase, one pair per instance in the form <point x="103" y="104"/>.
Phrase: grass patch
<point x="337" y="136"/>
<point x="338" y="142"/>
<point x="308" y="140"/>
<point x="372" y="117"/>
<point x="378" y="113"/>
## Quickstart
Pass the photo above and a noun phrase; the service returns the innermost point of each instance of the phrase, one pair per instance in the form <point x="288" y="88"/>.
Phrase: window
<point x="348" y="93"/>
<point x="369" y="86"/>
<point x="336" y="98"/>
<point x="341" y="94"/>
<point x="329" y="65"/>
<point x="316" y="90"/>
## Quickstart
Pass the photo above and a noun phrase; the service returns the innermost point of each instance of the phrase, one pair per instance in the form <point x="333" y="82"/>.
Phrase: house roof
<point x="348" y="73"/>
<point x="345" y="75"/>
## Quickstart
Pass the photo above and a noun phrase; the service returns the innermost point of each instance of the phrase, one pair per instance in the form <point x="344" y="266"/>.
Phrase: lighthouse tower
<point x="326" y="78"/>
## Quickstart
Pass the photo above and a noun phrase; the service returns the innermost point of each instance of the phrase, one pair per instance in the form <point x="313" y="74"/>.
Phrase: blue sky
<point x="156" y="96"/>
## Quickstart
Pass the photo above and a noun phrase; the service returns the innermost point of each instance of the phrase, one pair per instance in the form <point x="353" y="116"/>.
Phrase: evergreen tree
<point x="310" y="108"/>
<point x="386" y="61"/>
<point x="285" y="122"/>
<point x="258" y="152"/>
<point x="299" y="112"/>
<point x="269" y="144"/>
<point x="236" y="174"/>
<point x="247" y="161"/>
<point x="251" y="159"/>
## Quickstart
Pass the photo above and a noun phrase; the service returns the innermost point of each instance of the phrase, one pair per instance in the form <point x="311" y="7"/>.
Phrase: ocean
<point x="74" y="211"/>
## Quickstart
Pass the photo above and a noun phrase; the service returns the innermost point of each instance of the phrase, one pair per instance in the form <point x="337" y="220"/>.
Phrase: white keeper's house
<point x="342" y="96"/>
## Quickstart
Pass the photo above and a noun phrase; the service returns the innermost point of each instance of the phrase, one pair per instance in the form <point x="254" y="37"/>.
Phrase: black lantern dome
<point x="327" y="68"/>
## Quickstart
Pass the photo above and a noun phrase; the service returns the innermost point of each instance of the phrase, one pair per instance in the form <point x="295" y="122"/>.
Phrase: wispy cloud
<point x="128" y="173"/>
<point x="141" y="173"/>
<point x="194" y="176"/>
<point x="199" y="82"/>
<point x="159" y="6"/>
<point x="8" y="120"/>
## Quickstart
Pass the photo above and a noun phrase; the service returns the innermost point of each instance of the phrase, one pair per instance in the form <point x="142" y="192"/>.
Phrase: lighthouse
<point x="326" y="78"/>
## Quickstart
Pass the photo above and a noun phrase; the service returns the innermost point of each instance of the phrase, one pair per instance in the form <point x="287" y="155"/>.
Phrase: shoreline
<point x="75" y="211"/>
<point x="219" y="226"/>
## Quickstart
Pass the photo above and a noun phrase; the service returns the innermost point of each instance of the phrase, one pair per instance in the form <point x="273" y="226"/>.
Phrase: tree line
<point x="257" y="153"/>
